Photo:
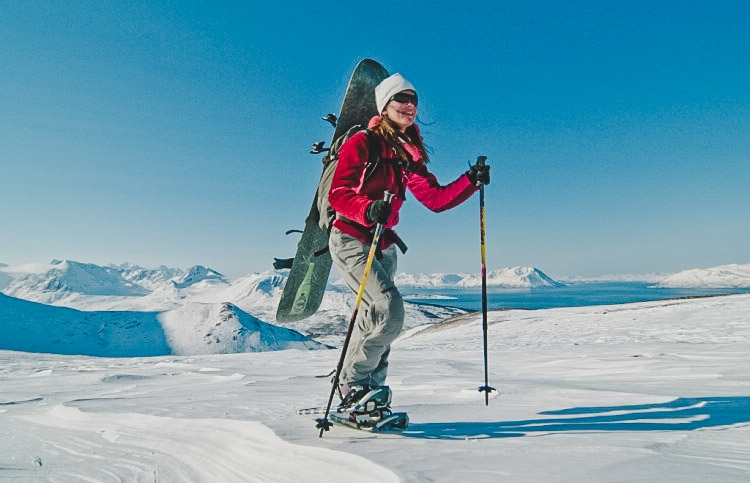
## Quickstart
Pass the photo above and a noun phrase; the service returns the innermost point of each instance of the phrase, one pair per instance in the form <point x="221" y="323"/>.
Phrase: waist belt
<point x="387" y="234"/>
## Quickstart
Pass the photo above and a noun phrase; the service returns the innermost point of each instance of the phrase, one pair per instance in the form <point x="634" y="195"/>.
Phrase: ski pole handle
<point x="387" y="197"/>
<point x="480" y="162"/>
<point x="477" y="169"/>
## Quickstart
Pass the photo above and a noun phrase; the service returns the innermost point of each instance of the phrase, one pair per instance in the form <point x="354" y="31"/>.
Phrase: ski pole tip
<point x="486" y="390"/>
<point x="324" y="425"/>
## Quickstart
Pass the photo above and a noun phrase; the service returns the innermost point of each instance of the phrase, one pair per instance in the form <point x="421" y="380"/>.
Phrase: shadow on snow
<point x="682" y="414"/>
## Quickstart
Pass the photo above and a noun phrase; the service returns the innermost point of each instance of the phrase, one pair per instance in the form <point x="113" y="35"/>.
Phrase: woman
<point x="357" y="198"/>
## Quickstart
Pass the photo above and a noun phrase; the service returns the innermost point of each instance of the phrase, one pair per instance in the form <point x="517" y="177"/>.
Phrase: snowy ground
<point x="655" y="391"/>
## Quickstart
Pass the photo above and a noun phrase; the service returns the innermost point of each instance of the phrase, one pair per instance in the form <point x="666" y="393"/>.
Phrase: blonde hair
<point x="395" y="138"/>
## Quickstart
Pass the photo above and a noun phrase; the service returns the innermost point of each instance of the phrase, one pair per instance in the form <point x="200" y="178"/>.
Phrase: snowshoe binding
<point x="369" y="408"/>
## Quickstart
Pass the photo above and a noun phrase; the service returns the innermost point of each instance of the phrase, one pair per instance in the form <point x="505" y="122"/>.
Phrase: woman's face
<point x="403" y="113"/>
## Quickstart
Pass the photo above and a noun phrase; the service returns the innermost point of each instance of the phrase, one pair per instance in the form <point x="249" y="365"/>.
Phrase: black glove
<point x="479" y="174"/>
<point x="379" y="212"/>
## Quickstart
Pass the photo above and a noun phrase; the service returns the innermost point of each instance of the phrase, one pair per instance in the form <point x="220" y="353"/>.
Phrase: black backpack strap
<point x="374" y="148"/>
<point x="373" y="159"/>
<point x="373" y="153"/>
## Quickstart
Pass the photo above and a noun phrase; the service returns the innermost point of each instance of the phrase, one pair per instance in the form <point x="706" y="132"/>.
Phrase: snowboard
<point x="308" y="274"/>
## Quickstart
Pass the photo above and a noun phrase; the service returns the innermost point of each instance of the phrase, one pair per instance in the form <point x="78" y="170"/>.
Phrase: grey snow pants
<point x="381" y="313"/>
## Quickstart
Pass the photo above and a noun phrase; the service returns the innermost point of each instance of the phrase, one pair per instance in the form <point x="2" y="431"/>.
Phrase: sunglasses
<point x="403" y="98"/>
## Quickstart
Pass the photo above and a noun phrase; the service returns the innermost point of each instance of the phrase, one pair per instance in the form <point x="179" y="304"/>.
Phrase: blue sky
<point x="177" y="133"/>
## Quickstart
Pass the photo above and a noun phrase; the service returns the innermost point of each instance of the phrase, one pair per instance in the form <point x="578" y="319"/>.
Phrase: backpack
<point x="326" y="214"/>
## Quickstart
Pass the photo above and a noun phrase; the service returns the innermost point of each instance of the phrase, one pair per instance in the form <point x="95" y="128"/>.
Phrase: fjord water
<point x="570" y="295"/>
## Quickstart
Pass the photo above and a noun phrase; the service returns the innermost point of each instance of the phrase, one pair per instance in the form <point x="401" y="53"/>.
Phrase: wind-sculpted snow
<point x="655" y="391"/>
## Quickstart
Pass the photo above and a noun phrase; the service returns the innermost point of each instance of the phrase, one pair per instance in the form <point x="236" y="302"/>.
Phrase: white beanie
<point x="390" y="86"/>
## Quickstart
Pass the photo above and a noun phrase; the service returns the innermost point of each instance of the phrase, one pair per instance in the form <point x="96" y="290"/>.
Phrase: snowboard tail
<point x="308" y="275"/>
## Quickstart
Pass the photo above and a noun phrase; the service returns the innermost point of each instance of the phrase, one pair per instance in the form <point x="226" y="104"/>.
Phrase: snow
<point x="656" y="391"/>
<point x="514" y="277"/>
<point x="724" y="276"/>
<point x="653" y="391"/>
<point x="225" y="329"/>
<point x="137" y="293"/>
<point x="191" y="329"/>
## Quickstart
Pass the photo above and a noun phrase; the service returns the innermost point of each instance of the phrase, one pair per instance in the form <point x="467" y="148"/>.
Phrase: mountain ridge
<point x="192" y="329"/>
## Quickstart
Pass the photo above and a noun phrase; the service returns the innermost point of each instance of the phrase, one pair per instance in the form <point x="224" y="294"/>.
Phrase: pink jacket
<point x="351" y="195"/>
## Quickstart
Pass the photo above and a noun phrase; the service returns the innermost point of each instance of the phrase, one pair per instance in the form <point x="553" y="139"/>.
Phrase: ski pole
<point x="323" y="423"/>
<point x="487" y="389"/>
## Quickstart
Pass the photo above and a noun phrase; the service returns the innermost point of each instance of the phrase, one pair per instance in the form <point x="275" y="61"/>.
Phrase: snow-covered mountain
<point x="65" y="277"/>
<point x="723" y="276"/>
<point x="199" y="311"/>
<point x="189" y="330"/>
<point x="181" y="312"/>
<point x="514" y="277"/>
<point x="71" y="307"/>
<point x="198" y="274"/>
<point x="66" y="281"/>
<point x="197" y="328"/>
<point x="129" y="287"/>
<point x="63" y="280"/>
